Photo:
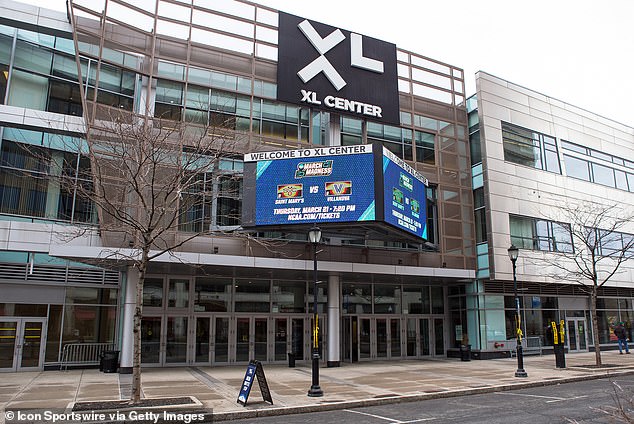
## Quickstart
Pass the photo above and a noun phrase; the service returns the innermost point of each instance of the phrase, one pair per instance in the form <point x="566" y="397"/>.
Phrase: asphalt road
<point x="565" y="403"/>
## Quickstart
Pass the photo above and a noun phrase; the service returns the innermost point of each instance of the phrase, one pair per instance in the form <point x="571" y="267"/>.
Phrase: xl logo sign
<point x="327" y="68"/>
<point x="323" y="45"/>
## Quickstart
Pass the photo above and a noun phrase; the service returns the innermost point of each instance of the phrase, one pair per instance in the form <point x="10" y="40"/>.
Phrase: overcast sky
<point x="578" y="51"/>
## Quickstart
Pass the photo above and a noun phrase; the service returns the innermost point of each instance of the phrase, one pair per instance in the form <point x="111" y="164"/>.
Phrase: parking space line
<point x="553" y="399"/>
<point x="535" y="396"/>
<point x="392" y="420"/>
<point x="570" y="398"/>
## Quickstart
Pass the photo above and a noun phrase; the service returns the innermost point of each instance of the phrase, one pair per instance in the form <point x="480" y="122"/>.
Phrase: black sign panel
<point x="335" y="70"/>
<point x="254" y="370"/>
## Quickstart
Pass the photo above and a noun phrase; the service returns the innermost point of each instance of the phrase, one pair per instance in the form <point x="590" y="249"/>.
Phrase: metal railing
<point x="533" y="345"/>
<point x="83" y="353"/>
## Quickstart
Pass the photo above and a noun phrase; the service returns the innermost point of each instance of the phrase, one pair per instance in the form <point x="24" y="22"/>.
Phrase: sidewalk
<point x="351" y="385"/>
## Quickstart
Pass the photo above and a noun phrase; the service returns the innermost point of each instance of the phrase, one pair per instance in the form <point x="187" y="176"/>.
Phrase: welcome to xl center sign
<point x="362" y="185"/>
<point x="331" y="69"/>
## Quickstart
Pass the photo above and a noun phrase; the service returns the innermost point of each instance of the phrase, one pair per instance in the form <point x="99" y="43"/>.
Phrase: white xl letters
<point x="324" y="45"/>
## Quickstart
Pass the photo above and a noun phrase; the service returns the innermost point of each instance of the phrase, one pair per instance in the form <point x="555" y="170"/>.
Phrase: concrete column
<point x="334" y="318"/>
<point x="127" y="338"/>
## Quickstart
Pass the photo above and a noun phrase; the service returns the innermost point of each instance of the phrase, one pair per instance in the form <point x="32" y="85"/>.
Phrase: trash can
<point x="109" y="361"/>
<point x="465" y="352"/>
<point x="101" y="355"/>
<point x="291" y="360"/>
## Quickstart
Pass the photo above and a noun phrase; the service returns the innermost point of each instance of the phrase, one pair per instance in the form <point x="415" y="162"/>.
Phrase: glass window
<point x="64" y="97"/>
<point x="197" y="97"/>
<point x="577" y="168"/>
<point x="611" y="242"/>
<point x="538" y="234"/>
<point x="28" y="90"/>
<point x="5" y="46"/>
<point x="387" y="299"/>
<point x="600" y="155"/>
<point x="357" y="298"/>
<point x="476" y="148"/>
<point x="252" y="295"/>
<point x="603" y="175"/>
<point x="425" y="148"/>
<point x="89" y="324"/>
<point x="416" y="300"/>
<point x="33" y="58"/>
<point x="480" y="215"/>
<point x="178" y="293"/>
<point x="169" y="92"/>
<point x="289" y="296"/>
<point x="437" y="300"/>
<point x="4" y="74"/>
<point x="212" y="295"/>
<point x="573" y="147"/>
<point x="530" y="148"/>
<point x="561" y="238"/>
<point x="89" y="295"/>
<point x="229" y="201"/>
<point x="551" y="157"/>
<point x="520" y="148"/>
<point x="630" y="181"/>
<point x="224" y="81"/>
<point x="522" y="235"/>
<point x="222" y="102"/>
<point x="621" y="179"/>
<point x="65" y="67"/>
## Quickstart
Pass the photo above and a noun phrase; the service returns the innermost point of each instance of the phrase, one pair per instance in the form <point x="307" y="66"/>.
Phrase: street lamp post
<point x="314" y="236"/>
<point x="513" y="254"/>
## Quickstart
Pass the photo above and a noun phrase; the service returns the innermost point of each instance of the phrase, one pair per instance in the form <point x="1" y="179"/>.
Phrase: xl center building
<point x="277" y="82"/>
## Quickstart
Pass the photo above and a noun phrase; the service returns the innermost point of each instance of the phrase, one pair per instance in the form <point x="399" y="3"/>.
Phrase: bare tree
<point x="599" y="248"/>
<point x="151" y="183"/>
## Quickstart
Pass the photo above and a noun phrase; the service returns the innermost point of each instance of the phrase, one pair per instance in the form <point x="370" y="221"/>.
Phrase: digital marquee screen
<point x="404" y="199"/>
<point x="316" y="187"/>
<point x="362" y="184"/>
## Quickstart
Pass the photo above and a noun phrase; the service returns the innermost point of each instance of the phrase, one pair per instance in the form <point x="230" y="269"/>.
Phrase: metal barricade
<point x="532" y="345"/>
<point x="83" y="353"/>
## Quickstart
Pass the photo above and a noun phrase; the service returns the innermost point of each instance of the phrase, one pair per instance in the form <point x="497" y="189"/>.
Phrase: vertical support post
<point x="513" y="253"/>
<point x="315" y="389"/>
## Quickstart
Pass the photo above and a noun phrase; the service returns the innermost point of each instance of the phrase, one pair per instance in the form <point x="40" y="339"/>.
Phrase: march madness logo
<point x="314" y="169"/>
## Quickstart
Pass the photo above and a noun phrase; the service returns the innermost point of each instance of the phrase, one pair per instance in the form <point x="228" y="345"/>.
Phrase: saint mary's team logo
<point x="288" y="191"/>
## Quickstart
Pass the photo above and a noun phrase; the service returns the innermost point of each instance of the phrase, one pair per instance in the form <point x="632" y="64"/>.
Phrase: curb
<point x="332" y="406"/>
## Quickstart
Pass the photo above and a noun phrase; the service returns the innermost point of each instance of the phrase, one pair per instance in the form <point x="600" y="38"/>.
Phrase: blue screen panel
<point x="316" y="189"/>
<point x="405" y="198"/>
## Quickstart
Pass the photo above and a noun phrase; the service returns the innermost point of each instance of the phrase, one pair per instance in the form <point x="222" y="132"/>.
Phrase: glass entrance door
<point x="211" y="345"/>
<point x="417" y="342"/>
<point x="251" y="339"/>
<point x="152" y="349"/>
<point x="378" y="338"/>
<point x="164" y="340"/>
<point x="577" y="339"/>
<point x="288" y="338"/>
<point x="22" y="344"/>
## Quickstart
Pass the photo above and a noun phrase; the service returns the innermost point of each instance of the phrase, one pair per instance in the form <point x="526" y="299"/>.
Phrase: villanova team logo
<point x="339" y="188"/>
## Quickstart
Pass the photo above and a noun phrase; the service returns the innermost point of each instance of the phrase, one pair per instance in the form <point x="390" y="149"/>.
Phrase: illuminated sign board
<point x="404" y="195"/>
<point x="362" y="184"/>
<point x="331" y="69"/>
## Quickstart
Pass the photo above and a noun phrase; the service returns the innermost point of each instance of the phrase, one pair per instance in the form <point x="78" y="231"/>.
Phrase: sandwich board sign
<point x="254" y="371"/>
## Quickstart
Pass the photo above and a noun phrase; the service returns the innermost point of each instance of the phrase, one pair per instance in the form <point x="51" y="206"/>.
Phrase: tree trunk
<point x="135" y="396"/>
<point x="595" y="325"/>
